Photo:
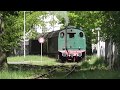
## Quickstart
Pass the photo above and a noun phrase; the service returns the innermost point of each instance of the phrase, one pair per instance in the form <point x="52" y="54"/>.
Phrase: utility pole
<point x="98" y="44"/>
<point x="53" y="21"/>
<point x="24" y="34"/>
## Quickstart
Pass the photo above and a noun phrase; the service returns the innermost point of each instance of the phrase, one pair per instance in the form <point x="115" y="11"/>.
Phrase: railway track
<point x="70" y="71"/>
<point x="42" y="76"/>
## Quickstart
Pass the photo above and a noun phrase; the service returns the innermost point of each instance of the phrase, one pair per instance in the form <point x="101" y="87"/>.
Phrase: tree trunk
<point x="3" y="60"/>
<point x="112" y="54"/>
<point x="117" y="62"/>
<point x="109" y="55"/>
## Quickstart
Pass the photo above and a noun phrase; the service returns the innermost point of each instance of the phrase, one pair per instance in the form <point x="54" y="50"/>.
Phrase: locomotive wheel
<point x="58" y="58"/>
<point x="83" y="56"/>
<point x="61" y="58"/>
<point x="79" y="59"/>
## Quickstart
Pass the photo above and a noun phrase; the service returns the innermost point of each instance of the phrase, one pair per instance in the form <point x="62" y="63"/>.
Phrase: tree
<point x="12" y="30"/>
<point x="88" y="20"/>
<point x="4" y="35"/>
<point x="111" y="32"/>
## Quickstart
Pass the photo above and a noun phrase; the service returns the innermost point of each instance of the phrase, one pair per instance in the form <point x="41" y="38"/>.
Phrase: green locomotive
<point x="66" y="44"/>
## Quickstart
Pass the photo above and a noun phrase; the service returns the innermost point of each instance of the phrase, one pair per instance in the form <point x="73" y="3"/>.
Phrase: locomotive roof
<point x="53" y="33"/>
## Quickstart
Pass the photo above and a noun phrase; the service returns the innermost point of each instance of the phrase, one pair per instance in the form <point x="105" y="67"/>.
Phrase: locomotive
<point x="66" y="44"/>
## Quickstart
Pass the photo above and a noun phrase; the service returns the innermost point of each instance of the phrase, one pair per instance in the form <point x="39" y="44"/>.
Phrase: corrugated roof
<point x="55" y="33"/>
<point x="50" y="34"/>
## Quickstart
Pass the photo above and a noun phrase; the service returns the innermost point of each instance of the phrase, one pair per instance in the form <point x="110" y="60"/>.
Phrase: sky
<point x="48" y="26"/>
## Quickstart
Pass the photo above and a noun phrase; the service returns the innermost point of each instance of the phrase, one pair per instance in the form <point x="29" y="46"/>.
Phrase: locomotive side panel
<point x="34" y="48"/>
<point x="61" y="40"/>
<point x="52" y="45"/>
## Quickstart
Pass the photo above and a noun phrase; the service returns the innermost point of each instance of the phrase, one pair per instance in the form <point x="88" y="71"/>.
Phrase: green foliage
<point x="111" y="25"/>
<point x="21" y="72"/>
<point x="10" y="36"/>
<point x="111" y="29"/>
<point x="14" y="26"/>
<point x="88" y="20"/>
<point x="94" y="63"/>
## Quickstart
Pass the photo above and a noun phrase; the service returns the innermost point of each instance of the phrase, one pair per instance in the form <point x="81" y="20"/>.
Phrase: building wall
<point x="102" y="48"/>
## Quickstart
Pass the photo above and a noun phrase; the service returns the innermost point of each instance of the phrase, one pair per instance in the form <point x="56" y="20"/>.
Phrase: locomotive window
<point x="62" y="34"/>
<point x="81" y="34"/>
<point x="71" y="35"/>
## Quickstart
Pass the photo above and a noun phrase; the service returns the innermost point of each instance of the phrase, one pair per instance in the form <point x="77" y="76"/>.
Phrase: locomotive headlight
<point x="80" y="54"/>
<point x="64" y="54"/>
<point x="63" y="48"/>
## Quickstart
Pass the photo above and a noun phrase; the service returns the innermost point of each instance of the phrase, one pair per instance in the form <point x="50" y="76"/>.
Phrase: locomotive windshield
<point x="62" y="34"/>
<point x="81" y="34"/>
<point x="71" y="35"/>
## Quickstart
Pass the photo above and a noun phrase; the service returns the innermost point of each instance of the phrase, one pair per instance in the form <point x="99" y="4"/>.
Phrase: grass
<point x="89" y="74"/>
<point x="21" y="71"/>
<point x="33" y="59"/>
<point x="20" y="74"/>
<point x="36" y="60"/>
<point x="28" y="58"/>
<point x="33" y="66"/>
<point x="93" y="62"/>
<point x="15" y="74"/>
<point x="91" y="68"/>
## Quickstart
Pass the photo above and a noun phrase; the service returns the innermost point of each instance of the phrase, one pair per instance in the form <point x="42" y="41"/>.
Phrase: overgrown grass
<point x="15" y="74"/>
<point x="93" y="62"/>
<point x="22" y="71"/>
<point x="28" y="67"/>
<point x="88" y="74"/>
<point x="20" y="74"/>
<point x="91" y="68"/>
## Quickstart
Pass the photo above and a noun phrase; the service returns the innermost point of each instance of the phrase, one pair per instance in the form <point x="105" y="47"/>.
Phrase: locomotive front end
<point x="72" y="55"/>
<point x="71" y="44"/>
